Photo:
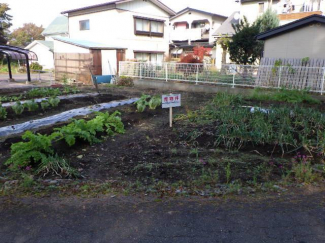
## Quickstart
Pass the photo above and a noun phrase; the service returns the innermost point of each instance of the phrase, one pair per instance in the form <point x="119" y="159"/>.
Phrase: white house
<point x="192" y="27"/>
<point x="44" y="49"/>
<point x="125" y="29"/>
<point x="287" y="10"/>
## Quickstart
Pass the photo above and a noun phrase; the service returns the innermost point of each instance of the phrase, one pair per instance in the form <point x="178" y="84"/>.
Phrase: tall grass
<point x="284" y="95"/>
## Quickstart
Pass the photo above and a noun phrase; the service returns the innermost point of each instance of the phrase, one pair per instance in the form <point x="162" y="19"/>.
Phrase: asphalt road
<point x="298" y="219"/>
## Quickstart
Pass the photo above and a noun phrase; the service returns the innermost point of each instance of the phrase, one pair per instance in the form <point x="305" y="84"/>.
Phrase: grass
<point x="284" y="95"/>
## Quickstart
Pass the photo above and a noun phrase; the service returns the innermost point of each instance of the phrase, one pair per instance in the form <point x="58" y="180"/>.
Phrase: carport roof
<point x="88" y="44"/>
<point x="17" y="53"/>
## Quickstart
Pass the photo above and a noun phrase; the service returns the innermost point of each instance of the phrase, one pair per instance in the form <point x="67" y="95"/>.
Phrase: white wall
<point x="109" y="55"/>
<point x="116" y="28"/>
<point x="61" y="47"/>
<point x="45" y="56"/>
<point x="298" y="43"/>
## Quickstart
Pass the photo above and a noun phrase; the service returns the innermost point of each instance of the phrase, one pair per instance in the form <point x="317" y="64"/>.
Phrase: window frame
<point x="82" y="21"/>
<point x="259" y="7"/>
<point x="149" y="53"/>
<point x="149" y="33"/>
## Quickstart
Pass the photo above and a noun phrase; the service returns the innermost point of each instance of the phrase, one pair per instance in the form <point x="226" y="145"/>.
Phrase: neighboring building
<point x="226" y="30"/>
<point x="287" y="10"/>
<point x="44" y="49"/>
<point x="192" y="27"/>
<point x="138" y="28"/>
<point x="58" y="27"/>
<point x="299" y="39"/>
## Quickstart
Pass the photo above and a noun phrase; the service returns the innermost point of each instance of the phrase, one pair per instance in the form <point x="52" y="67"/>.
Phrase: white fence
<point x="292" y="77"/>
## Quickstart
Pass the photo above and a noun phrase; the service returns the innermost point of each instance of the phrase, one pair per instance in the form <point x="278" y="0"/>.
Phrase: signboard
<point x="170" y="101"/>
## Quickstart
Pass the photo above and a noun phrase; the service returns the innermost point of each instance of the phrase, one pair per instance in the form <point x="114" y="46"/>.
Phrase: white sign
<point x="172" y="100"/>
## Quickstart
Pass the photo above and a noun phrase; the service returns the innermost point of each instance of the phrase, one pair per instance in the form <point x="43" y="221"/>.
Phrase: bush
<point x="190" y="58"/>
<point x="35" y="66"/>
<point x="125" y="81"/>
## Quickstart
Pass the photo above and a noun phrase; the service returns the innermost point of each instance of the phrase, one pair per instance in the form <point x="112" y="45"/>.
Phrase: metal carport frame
<point x="17" y="53"/>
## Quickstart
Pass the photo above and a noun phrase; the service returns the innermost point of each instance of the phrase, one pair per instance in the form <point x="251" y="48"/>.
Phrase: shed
<point x="44" y="51"/>
<point x="74" y="57"/>
<point x="299" y="39"/>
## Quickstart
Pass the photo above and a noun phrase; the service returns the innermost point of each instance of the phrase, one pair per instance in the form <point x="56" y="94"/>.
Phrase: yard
<point x="220" y="144"/>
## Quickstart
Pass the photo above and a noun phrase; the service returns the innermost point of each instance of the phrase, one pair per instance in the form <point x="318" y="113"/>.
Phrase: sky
<point x="42" y="12"/>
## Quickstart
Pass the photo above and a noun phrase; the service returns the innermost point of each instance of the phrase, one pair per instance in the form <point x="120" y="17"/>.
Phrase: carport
<point x="17" y="53"/>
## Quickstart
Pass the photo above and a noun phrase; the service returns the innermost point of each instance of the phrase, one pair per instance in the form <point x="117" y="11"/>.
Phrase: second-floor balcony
<point x="189" y="34"/>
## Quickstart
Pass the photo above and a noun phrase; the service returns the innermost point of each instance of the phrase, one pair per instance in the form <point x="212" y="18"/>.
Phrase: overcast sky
<point x="42" y="12"/>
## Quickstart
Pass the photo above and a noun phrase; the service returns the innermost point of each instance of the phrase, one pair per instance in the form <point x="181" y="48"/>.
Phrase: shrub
<point x="18" y="108"/>
<point x="54" y="101"/>
<point x="125" y="81"/>
<point x="190" y="58"/>
<point x="31" y="105"/>
<point x="35" y="66"/>
<point x="3" y="112"/>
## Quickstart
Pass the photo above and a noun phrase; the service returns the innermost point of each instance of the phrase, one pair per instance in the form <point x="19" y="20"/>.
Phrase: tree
<point x="269" y="20"/>
<point x="224" y="43"/>
<point x="5" y="23"/>
<point x="25" y="35"/>
<point x="244" y="48"/>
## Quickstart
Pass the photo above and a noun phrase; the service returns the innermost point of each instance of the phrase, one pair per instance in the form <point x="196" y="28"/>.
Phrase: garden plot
<point x="215" y="148"/>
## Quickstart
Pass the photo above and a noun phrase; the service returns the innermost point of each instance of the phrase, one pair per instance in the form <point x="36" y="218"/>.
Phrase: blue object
<point x="107" y="79"/>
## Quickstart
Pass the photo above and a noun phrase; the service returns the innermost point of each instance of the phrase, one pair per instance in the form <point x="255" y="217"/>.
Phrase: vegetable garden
<point x="220" y="144"/>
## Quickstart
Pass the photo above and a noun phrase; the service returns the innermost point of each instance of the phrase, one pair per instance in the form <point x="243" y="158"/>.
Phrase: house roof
<point x="48" y="44"/>
<point x="316" y="18"/>
<point x="185" y="10"/>
<point x="226" y="28"/>
<point x="116" y="2"/>
<point x="60" y="25"/>
<point x="88" y="44"/>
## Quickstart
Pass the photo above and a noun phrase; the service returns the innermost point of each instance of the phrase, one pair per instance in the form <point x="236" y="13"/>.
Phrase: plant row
<point x="289" y="128"/>
<point x="31" y="106"/>
<point x="40" y="93"/>
<point x="36" y="152"/>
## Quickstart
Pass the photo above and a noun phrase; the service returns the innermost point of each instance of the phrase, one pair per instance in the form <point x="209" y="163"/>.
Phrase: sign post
<point x="170" y="101"/>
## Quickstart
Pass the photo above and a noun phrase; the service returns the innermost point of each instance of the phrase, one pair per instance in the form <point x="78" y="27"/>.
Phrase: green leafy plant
<point x="148" y="101"/>
<point x="154" y="102"/>
<point x="31" y="105"/>
<point x="54" y="102"/>
<point x="34" y="149"/>
<point x="45" y="105"/>
<point x="3" y="112"/>
<point x="18" y="108"/>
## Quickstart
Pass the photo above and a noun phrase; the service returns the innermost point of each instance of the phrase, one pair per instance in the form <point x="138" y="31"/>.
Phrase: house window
<point x="152" y="57"/>
<point x="84" y="25"/>
<point x="149" y="27"/>
<point x="261" y="8"/>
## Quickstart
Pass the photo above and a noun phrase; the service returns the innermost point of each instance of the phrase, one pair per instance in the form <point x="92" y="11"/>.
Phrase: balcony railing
<point x="189" y="34"/>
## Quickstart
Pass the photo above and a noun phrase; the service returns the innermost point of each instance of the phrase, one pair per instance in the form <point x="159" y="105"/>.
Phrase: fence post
<point x="197" y="74"/>
<point x="280" y="73"/>
<point x="323" y="79"/>
<point x="233" y="80"/>
<point x="166" y="70"/>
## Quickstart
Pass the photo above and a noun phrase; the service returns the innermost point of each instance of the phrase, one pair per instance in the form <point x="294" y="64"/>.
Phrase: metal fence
<point x="291" y="77"/>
